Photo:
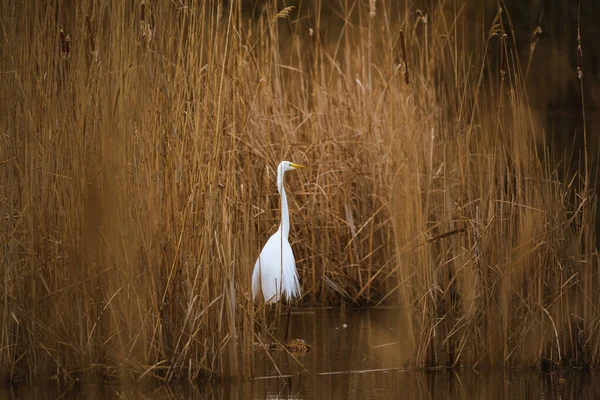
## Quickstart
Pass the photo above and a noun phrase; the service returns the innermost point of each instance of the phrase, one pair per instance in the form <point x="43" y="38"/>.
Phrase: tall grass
<point x="138" y="186"/>
<point x="517" y="283"/>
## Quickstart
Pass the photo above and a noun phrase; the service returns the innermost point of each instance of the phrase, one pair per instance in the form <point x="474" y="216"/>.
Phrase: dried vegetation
<point x="137" y="148"/>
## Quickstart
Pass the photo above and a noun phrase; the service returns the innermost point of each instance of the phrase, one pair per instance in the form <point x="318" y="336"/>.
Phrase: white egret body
<point x="275" y="269"/>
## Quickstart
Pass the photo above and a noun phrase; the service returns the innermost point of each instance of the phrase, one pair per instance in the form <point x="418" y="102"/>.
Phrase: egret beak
<point x="297" y="166"/>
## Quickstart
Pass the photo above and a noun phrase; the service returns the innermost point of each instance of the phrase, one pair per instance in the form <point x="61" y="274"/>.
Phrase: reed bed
<point x="139" y="145"/>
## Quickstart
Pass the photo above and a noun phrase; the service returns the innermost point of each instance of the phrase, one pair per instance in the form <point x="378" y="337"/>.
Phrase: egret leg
<point x="287" y="325"/>
<point x="266" y="323"/>
<point x="271" y="320"/>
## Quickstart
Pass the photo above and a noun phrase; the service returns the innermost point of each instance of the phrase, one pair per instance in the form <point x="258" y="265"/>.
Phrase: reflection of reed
<point x="368" y="355"/>
<point x="352" y="350"/>
<point x="465" y="384"/>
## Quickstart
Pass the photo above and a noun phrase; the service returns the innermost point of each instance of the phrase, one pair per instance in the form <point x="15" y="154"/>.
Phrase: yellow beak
<point x="297" y="166"/>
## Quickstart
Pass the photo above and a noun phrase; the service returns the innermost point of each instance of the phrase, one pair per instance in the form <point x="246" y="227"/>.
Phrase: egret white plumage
<point x="275" y="272"/>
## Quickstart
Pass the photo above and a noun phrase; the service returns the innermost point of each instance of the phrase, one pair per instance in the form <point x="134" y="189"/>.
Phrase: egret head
<point x="288" y="166"/>
<point x="283" y="167"/>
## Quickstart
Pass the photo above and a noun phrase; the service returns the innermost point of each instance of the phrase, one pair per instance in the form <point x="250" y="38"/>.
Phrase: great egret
<point x="275" y="269"/>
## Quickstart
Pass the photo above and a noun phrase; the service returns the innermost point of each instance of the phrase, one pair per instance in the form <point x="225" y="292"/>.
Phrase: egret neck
<point x="285" y="215"/>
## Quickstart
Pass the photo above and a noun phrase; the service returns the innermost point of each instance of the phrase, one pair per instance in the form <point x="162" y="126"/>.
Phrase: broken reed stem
<point x="88" y="24"/>
<point x="65" y="44"/>
<point x="445" y="235"/>
<point x="535" y="36"/>
<point x="404" y="58"/>
<point x="534" y="39"/>
<point x="92" y="36"/>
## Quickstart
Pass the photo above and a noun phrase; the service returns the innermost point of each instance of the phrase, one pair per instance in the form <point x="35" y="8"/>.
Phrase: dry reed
<point x="136" y="191"/>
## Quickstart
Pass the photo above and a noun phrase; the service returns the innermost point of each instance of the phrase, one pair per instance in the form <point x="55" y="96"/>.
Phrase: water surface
<point x="356" y="354"/>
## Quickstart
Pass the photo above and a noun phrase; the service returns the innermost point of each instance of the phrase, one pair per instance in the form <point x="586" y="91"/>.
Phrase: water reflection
<point x="351" y="351"/>
<point x="356" y="355"/>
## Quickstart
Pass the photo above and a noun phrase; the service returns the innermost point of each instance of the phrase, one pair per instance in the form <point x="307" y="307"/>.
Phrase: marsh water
<point x="355" y="354"/>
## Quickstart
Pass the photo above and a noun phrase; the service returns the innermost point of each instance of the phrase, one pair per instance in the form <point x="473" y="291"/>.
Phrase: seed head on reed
<point x="284" y="13"/>
<point x="148" y="34"/>
<point x="372" y="8"/>
<point x="496" y="27"/>
<point x="579" y="56"/>
<point x="503" y="55"/>
<point x="145" y="25"/>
